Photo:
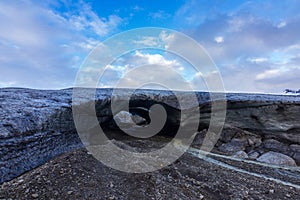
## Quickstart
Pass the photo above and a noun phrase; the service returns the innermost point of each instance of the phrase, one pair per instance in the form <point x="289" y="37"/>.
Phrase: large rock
<point x="295" y="151"/>
<point x="240" y="154"/>
<point x="276" y="159"/>
<point x="274" y="145"/>
<point x="270" y="116"/>
<point x="126" y="118"/>
<point x="233" y="146"/>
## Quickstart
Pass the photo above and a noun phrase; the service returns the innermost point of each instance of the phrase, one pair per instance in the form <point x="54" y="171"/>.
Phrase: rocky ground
<point x="77" y="175"/>
<point x="257" y="155"/>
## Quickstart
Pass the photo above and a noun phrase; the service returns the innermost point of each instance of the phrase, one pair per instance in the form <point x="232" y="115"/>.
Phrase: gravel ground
<point x="78" y="175"/>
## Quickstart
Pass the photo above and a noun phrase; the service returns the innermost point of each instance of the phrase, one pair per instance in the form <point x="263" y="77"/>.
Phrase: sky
<point x="254" y="44"/>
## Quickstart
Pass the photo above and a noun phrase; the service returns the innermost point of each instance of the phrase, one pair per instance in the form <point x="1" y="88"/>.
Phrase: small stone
<point x="112" y="198"/>
<point x="35" y="195"/>
<point x="250" y="142"/>
<point x="70" y="192"/>
<point x="111" y="185"/>
<point x="253" y="155"/>
<point x="21" y="181"/>
<point x="257" y="141"/>
<point x="201" y="197"/>
<point x="186" y="185"/>
<point x="271" y="191"/>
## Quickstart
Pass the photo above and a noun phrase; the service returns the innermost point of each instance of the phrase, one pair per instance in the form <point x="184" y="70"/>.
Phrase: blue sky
<point x="255" y="44"/>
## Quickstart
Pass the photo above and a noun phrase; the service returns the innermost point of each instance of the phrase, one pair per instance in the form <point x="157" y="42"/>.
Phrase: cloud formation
<point x="42" y="48"/>
<point x="255" y="45"/>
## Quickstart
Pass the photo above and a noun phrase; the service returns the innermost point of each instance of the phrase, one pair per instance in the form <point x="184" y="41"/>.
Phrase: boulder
<point x="233" y="146"/>
<point x="276" y="158"/>
<point x="295" y="151"/>
<point x="253" y="155"/>
<point x="274" y="145"/>
<point x="296" y="157"/>
<point x="126" y="118"/>
<point x="228" y="134"/>
<point x="295" y="148"/>
<point x="240" y="154"/>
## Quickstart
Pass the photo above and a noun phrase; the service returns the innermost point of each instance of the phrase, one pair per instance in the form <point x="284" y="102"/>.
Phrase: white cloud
<point x="161" y="14"/>
<point x="181" y="68"/>
<point x="237" y="23"/>
<point x="137" y="8"/>
<point x="193" y="12"/>
<point x="278" y="79"/>
<point x="281" y="24"/>
<point x="219" y="39"/>
<point x="139" y="68"/>
<point x="41" y="48"/>
<point x="257" y="60"/>
<point x="155" y="59"/>
<point x="87" y="44"/>
<point x="86" y="18"/>
<point x="279" y="72"/>
<point x="262" y="49"/>
<point x="167" y="39"/>
<point x="154" y="69"/>
<point x="163" y="41"/>
<point x="7" y="84"/>
<point x="272" y="73"/>
<point x="198" y="74"/>
<point x="148" y="41"/>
